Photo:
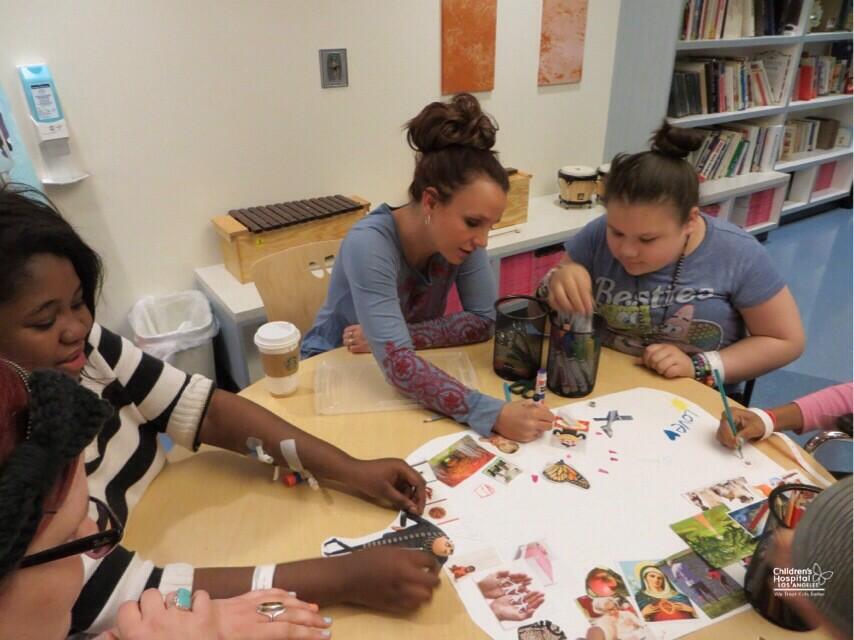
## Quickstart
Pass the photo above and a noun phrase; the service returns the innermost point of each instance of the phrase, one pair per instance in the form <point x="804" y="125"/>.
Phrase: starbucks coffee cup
<point x="278" y="344"/>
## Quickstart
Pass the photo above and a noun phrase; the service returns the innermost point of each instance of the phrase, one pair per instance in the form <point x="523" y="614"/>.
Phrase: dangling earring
<point x="427" y="219"/>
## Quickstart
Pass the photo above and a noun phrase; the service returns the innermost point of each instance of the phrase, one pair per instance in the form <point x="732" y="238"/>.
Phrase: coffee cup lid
<point x="604" y="168"/>
<point x="578" y="171"/>
<point x="277" y="335"/>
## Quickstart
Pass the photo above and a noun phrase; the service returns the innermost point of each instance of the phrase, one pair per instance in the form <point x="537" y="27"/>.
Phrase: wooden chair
<point x="293" y="283"/>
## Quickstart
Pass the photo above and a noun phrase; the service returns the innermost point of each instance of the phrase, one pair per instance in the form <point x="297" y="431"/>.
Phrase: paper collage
<point x="637" y="532"/>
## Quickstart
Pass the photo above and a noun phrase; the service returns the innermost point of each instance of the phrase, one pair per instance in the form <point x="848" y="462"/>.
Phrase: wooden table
<point x="214" y="508"/>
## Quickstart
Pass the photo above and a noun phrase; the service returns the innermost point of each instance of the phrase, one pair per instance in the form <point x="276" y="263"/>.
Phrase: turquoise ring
<point x="183" y="599"/>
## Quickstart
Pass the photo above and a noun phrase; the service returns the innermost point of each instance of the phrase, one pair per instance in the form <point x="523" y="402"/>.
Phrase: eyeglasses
<point x="97" y="545"/>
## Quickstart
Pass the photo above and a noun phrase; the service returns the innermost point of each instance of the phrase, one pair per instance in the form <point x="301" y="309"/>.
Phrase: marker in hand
<point x="739" y="441"/>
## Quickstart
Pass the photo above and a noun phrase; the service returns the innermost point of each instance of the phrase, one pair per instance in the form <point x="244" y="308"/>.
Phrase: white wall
<point x="643" y="67"/>
<point x="183" y="109"/>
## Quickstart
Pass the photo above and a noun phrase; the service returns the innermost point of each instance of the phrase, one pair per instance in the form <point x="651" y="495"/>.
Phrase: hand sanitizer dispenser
<point x="43" y="102"/>
<point x="60" y="166"/>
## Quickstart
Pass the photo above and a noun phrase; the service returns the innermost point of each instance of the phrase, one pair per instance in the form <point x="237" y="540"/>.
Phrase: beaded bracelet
<point x="702" y="369"/>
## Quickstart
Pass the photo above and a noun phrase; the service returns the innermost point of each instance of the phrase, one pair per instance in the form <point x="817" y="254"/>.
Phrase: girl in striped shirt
<point x="49" y="281"/>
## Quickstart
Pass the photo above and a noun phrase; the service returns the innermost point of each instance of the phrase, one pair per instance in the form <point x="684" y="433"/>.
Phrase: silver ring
<point x="271" y="610"/>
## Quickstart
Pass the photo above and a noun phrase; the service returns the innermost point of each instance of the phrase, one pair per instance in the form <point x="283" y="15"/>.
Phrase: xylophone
<point x="249" y="234"/>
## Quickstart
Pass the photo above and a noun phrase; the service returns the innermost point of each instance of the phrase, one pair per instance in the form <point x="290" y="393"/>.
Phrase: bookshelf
<point x="799" y="181"/>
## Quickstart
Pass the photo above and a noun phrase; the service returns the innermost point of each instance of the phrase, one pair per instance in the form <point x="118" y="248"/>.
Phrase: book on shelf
<point x="824" y="176"/>
<point x="725" y="84"/>
<point x="821" y="76"/>
<point x="777" y="64"/>
<point x="828" y="128"/>
<point x="760" y="207"/>
<point x="843" y="137"/>
<point x="803" y="135"/>
<point x="734" y="21"/>
<point x="737" y="148"/>
<point x="754" y="209"/>
<point x="724" y="19"/>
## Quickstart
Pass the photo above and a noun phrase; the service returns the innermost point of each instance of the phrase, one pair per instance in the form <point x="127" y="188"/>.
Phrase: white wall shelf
<point x="716" y="190"/>
<point x="819" y="197"/>
<point x="794" y="179"/>
<point x="829" y="36"/>
<point x="765" y="227"/>
<point x="826" y="195"/>
<point x="703" y="119"/>
<point x="803" y="160"/>
<point x="760" y="41"/>
<point x="821" y="101"/>
<point x="791" y="206"/>
<point x="642" y="82"/>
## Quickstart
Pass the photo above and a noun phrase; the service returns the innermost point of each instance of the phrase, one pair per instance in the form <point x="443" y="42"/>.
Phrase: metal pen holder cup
<point x="519" y="325"/>
<point x="762" y="592"/>
<point x="574" y="346"/>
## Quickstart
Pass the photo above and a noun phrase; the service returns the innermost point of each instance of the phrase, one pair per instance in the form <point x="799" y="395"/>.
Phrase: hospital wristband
<point x="767" y="421"/>
<point x="773" y="417"/>
<point x="178" y="575"/>
<point x="262" y="577"/>
<point x="716" y="363"/>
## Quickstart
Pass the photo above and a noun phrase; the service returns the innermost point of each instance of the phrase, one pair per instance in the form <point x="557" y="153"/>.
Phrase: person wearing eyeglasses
<point x="48" y="521"/>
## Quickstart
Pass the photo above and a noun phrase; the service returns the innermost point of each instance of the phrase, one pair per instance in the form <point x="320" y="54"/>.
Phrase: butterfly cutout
<point x="562" y="472"/>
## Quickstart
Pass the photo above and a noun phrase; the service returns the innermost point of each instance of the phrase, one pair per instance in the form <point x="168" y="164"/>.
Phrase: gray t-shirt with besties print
<point x="729" y="271"/>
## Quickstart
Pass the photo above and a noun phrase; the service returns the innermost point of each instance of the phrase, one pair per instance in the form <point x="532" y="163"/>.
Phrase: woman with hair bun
<point x="396" y="267"/>
<point x="686" y="292"/>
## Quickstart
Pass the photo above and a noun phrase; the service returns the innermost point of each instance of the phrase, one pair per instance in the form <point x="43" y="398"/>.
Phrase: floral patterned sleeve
<point x="373" y="284"/>
<point x="478" y="292"/>
<point x="449" y="331"/>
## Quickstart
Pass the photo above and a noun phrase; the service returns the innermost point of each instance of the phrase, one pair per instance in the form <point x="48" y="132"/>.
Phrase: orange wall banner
<point x="468" y="45"/>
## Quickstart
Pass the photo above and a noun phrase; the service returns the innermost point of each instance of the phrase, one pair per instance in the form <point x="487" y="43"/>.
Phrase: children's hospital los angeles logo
<point x="788" y="581"/>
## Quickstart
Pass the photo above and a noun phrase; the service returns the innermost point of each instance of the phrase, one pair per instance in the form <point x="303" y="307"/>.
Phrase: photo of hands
<point x="511" y="593"/>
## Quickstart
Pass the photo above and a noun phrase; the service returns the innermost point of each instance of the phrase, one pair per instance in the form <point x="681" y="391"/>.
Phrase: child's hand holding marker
<point x="522" y="421"/>
<point x="739" y="441"/>
<point x="748" y="426"/>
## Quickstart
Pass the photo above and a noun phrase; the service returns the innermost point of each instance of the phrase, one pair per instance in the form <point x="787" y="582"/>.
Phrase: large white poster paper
<point x="537" y="554"/>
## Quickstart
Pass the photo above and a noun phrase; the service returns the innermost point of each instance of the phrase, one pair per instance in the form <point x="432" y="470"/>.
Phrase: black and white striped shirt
<point x="150" y="397"/>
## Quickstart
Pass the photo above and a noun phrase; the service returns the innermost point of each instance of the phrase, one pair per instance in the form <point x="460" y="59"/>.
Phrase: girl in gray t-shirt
<point x="684" y="291"/>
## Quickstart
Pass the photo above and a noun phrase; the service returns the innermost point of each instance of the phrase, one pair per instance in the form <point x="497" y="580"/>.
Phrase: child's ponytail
<point x="659" y="175"/>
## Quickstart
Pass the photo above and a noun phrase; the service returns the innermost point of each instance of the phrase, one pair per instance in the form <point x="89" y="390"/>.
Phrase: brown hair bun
<point x="458" y="123"/>
<point x="674" y="141"/>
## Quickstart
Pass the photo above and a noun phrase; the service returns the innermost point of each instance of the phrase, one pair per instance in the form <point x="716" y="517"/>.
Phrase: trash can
<point x="178" y="328"/>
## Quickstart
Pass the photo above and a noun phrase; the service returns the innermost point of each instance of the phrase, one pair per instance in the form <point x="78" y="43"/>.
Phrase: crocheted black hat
<point x="63" y="418"/>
